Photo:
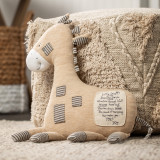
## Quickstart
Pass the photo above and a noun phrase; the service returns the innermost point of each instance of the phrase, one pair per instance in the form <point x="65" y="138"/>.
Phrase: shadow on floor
<point x="16" y="116"/>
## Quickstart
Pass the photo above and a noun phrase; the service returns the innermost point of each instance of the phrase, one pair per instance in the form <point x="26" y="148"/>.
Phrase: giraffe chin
<point x="35" y="62"/>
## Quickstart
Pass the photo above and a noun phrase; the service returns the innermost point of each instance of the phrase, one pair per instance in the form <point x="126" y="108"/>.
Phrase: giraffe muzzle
<point x="35" y="62"/>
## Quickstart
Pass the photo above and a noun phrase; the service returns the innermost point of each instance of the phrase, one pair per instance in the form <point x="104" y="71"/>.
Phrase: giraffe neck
<point x="64" y="70"/>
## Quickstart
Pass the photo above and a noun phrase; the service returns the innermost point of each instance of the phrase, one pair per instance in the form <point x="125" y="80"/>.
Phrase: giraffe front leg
<point x="46" y="136"/>
<point x="83" y="136"/>
<point x="117" y="137"/>
<point x="25" y="135"/>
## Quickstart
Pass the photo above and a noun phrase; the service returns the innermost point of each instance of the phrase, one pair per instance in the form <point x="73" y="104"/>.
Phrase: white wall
<point x="154" y="3"/>
<point x="8" y="8"/>
<point x="53" y="8"/>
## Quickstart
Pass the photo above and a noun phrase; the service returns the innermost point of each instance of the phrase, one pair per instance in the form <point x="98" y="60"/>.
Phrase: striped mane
<point x="77" y="41"/>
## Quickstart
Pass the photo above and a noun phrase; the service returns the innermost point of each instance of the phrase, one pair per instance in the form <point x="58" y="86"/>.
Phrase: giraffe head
<point x="56" y="42"/>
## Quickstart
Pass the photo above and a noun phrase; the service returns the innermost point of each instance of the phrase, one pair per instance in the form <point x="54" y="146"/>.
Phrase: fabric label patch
<point x="110" y="108"/>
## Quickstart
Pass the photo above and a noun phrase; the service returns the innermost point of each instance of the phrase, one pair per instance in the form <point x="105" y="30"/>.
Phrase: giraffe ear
<point x="65" y="19"/>
<point x="81" y="40"/>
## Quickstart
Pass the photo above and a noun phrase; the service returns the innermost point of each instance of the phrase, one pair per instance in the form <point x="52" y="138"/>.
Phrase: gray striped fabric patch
<point x="78" y="137"/>
<point x="76" y="68"/>
<point x="77" y="101"/>
<point x="60" y="91"/>
<point x="59" y="113"/>
<point x="80" y="41"/>
<point x="40" y="138"/>
<point x="74" y="50"/>
<point x="21" y="136"/>
<point x="75" y="60"/>
<point x="63" y="19"/>
<point x="67" y="22"/>
<point x="47" y="49"/>
<point x="75" y="30"/>
<point x="142" y="121"/>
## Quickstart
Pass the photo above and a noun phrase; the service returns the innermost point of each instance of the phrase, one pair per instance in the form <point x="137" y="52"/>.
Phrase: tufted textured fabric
<point x="124" y="52"/>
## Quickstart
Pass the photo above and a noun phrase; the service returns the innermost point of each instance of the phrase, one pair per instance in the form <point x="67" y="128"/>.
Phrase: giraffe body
<point x="82" y="118"/>
<point x="70" y="110"/>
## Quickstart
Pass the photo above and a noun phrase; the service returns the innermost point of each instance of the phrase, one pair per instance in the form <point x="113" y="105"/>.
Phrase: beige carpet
<point x="135" y="148"/>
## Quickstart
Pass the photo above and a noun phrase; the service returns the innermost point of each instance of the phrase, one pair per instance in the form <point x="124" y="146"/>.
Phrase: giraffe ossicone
<point x="76" y="110"/>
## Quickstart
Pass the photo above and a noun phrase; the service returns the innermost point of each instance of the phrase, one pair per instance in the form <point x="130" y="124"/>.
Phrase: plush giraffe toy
<point x="76" y="111"/>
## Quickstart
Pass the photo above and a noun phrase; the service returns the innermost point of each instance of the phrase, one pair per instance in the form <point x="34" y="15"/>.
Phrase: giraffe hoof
<point x="21" y="136"/>
<point x="39" y="138"/>
<point x="77" y="137"/>
<point x="115" y="138"/>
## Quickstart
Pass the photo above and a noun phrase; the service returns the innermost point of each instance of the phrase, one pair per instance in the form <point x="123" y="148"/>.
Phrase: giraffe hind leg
<point x="45" y="137"/>
<point x="83" y="136"/>
<point x="117" y="137"/>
